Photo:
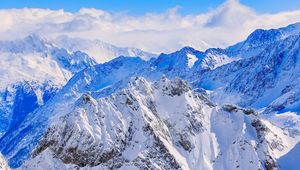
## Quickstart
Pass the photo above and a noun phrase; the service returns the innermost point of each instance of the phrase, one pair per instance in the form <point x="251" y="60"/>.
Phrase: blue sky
<point x="140" y="7"/>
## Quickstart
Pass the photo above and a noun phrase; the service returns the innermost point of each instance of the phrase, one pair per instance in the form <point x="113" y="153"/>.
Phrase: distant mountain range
<point x="63" y="107"/>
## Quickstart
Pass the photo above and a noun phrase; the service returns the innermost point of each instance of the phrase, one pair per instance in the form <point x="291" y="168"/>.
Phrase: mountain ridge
<point x="215" y="81"/>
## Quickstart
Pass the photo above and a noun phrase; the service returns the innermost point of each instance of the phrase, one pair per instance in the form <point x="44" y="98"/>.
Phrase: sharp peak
<point x="260" y="32"/>
<point x="218" y="50"/>
<point x="163" y="79"/>
<point x="35" y="37"/>
<point x="183" y="50"/>
<point x="139" y="82"/>
<point x="271" y="34"/>
<point x="122" y="58"/>
<point x="290" y="27"/>
<point x="187" y="49"/>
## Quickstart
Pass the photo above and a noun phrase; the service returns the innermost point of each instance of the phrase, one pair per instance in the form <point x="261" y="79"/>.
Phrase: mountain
<point x="162" y="125"/>
<point x="101" y="80"/>
<point x="35" y="59"/>
<point x="260" y="39"/>
<point x="21" y="98"/>
<point x="269" y="78"/>
<point x="100" y="51"/>
<point x="33" y="69"/>
<point x="184" y="110"/>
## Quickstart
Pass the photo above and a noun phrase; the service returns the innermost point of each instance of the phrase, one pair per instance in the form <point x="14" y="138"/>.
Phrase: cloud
<point x="227" y="24"/>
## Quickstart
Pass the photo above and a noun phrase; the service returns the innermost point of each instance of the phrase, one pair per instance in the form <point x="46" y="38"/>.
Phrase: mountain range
<point x="63" y="107"/>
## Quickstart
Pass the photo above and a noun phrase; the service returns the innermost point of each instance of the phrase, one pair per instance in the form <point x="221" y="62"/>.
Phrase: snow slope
<point x="104" y="118"/>
<point x="3" y="164"/>
<point x="31" y="71"/>
<point x="100" y="51"/>
<point x="160" y="125"/>
<point x="35" y="59"/>
<point x="267" y="79"/>
<point x="34" y="64"/>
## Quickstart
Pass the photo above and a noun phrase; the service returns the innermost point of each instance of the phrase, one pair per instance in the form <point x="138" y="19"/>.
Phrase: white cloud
<point x="156" y="32"/>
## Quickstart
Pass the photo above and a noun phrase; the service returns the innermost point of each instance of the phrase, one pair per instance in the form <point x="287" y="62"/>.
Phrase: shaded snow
<point x="290" y="161"/>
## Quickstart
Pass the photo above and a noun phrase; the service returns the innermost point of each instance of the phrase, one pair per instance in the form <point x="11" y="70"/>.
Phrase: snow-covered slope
<point x="35" y="59"/>
<point x="160" y="125"/>
<point x="99" y="50"/>
<point x="269" y="78"/>
<point x="260" y="39"/>
<point x="3" y="164"/>
<point x="104" y="118"/>
<point x="36" y="63"/>
<point x="31" y="71"/>
<point x="95" y="78"/>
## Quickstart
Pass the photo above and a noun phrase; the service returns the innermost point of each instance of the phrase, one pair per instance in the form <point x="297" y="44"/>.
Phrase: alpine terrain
<point x="72" y="103"/>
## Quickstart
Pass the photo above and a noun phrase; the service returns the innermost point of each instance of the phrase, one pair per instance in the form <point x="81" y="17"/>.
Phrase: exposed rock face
<point x="161" y="125"/>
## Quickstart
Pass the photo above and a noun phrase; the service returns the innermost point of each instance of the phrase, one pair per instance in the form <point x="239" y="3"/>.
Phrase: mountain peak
<point x="35" y="38"/>
<point x="130" y="113"/>
<point x="187" y="49"/>
<point x="30" y="43"/>
<point x="262" y="37"/>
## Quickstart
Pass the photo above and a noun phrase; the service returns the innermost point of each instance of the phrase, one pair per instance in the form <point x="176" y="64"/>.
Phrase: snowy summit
<point x="97" y="90"/>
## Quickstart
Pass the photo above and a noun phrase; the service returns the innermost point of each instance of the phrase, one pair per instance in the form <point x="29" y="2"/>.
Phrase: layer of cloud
<point x="229" y="23"/>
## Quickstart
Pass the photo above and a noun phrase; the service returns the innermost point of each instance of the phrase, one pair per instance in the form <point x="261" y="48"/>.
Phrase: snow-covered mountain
<point x="100" y="51"/>
<point x="160" y="125"/>
<point x="21" y="98"/>
<point x="260" y="39"/>
<point x="130" y="113"/>
<point x="33" y="69"/>
<point x="269" y="78"/>
<point x="37" y="59"/>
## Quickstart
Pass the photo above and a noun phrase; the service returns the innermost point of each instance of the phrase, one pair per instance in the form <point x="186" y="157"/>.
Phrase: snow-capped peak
<point x="160" y="125"/>
<point x="130" y="113"/>
<point x="261" y="37"/>
<point x="31" y="43"/>
<point x="100" y="51"/>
